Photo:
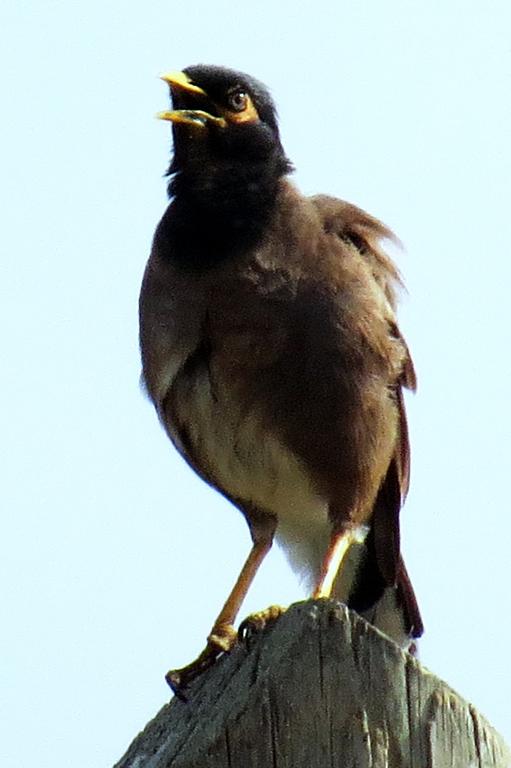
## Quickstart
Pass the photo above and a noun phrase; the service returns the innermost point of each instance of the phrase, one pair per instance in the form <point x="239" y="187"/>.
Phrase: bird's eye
<point x="238" y="100"/>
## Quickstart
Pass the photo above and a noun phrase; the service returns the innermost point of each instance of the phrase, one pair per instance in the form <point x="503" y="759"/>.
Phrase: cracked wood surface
<point x="320" y="688"/>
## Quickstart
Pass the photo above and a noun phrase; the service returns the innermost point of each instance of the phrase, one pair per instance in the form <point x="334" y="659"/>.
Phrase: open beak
<point x="197" y="118"/>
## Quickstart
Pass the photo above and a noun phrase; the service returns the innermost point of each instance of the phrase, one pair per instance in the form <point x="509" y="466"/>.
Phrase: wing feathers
<point x="383" y="565"/>
<point x="366" y="233"/>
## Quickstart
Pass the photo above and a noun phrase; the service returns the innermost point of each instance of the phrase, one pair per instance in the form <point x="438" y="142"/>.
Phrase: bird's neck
<point x="221" y="214"/>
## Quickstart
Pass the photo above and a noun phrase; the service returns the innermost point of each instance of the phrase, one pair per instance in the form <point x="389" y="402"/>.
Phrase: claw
<point x="258" y="621"/>
<point x="221" y="640"/>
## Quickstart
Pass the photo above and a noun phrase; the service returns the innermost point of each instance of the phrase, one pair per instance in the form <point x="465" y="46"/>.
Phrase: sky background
<point x="115" y="559"/>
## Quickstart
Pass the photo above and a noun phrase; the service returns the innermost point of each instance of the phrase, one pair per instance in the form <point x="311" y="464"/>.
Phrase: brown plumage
<point x="271" y="350"/>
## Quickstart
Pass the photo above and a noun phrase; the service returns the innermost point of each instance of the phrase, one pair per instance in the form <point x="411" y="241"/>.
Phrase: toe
<point x="223" y="637"/>
<point x="258" y="621"/>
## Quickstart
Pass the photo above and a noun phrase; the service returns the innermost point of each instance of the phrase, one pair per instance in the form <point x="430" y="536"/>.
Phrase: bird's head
<point x="223" y="118"/>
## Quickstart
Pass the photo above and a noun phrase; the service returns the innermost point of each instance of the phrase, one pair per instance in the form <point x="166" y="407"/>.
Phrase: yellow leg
<point x="338" y="548"/>
<point x="232" y="605"/>
<point x="223" y="636"/>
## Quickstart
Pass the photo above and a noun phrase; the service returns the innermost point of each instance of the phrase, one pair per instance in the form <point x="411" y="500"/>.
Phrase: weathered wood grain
<point x="319" y="689"/>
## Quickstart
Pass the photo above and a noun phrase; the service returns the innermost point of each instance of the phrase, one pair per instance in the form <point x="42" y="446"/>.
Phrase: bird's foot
<point x="259" y="620"/>
<point x="222" y="639"/>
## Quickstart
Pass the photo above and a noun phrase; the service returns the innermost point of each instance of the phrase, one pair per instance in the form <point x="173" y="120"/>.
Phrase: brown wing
<point x="384" y="565"/>
<point x="366" y="233"/>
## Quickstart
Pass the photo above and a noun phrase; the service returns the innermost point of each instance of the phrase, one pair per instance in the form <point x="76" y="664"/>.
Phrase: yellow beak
<point x="196" y="118"/>
<point x="181" y="81"/>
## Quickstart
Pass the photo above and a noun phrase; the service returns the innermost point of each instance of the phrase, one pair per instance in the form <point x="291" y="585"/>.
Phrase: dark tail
<point x="382" y="591"/>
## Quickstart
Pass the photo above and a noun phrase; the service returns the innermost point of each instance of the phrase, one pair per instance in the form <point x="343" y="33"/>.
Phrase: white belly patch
<point x="253" y="465"/>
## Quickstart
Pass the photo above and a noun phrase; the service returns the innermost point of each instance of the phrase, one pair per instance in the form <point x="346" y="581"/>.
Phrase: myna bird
<point x="271" y="351"/>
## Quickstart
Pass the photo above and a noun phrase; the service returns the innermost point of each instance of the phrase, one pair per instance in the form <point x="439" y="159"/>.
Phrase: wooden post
<point x="320" y="688"/>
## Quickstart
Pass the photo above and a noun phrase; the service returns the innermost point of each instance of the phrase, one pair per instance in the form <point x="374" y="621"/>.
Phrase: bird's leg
<point x="340" y="542"/>
<point x="223" y="636"/>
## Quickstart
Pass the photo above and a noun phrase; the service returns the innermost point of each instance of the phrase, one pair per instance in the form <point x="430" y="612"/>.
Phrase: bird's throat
<point x="220" y="216"/>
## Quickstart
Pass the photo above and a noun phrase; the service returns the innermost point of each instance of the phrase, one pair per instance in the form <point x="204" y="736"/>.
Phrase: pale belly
<point x="253" y="465"/>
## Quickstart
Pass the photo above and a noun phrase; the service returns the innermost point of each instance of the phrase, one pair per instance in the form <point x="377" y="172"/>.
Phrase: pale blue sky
<point x="115" y="558"/>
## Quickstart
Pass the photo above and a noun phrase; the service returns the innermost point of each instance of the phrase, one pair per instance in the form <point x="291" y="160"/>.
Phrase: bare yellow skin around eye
<point x="249" y="114"/>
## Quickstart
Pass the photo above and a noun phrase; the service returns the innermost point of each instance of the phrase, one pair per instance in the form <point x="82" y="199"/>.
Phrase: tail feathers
<point x="391" y="608"/>
<point x="387" y="616"/>
<point x="385" y="525"/>
<point x="396" y="614"/>
<point x="408" y="602"/>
